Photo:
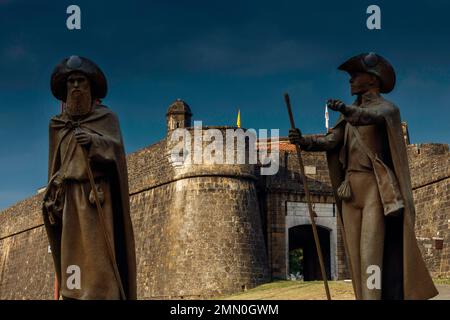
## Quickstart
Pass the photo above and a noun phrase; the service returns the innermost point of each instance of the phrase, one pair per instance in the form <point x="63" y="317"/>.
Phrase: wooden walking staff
<point x="308" y="200"/>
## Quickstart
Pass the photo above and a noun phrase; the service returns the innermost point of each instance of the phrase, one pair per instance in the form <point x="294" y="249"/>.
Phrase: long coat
<point x="107" y="152"/>
<point x="402" y="255"/>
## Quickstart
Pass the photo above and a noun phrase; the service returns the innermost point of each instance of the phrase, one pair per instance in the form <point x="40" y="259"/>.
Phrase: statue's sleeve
<point x="51" y="150"/>
<point x="324" y="143"/>
<point x="358" y="116"/>
<point x="53" y="160"/>
<point x="106" y="142"/>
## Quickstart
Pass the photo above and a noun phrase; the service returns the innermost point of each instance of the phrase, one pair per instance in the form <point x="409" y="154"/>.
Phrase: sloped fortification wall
<point x="200" y="229"/>
<point x="26" y="266"/>
<point x="197" y="229"/>
<point x="430" y="173"/>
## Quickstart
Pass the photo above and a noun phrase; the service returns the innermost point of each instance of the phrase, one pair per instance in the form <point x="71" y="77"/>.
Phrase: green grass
<point x="441" y="281"/>
<point x="302" y="290"/>
<point x="295" y="290"/>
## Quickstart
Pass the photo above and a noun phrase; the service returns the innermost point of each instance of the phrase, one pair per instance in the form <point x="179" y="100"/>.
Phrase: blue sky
<point x="218" y="56"/>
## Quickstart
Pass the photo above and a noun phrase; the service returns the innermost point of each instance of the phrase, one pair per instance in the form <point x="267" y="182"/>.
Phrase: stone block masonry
<point x="198" y="233"/>
<point x="207" y="230"/>
<point x="430" y="173"/>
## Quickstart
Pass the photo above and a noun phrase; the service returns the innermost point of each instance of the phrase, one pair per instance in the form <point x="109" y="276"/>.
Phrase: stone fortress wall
<point x="198" y="230"/>
<point x="209" y="230"/>
<point x="430" y="175"/>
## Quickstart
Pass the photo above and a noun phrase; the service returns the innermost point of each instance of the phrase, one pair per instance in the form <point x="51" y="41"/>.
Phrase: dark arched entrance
<point x="301" y="242"/>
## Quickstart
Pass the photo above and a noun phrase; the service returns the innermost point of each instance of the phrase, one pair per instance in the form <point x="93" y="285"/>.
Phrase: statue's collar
<point x="367" y="98"/>
<point x="78" y="119"/>
<point x="63" y="119"/>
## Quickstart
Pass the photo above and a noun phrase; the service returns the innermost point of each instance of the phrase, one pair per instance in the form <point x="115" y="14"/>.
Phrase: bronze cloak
<point x="402" y="255"/>
<point x="103" y="122"/>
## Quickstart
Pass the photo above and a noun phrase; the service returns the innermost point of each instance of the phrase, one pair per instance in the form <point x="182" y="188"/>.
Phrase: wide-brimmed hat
<point x="58" y="82"/>
<point x="374" y="64"/>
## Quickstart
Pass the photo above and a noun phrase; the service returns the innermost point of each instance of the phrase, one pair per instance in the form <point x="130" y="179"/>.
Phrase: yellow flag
<point x="238" y="121"/>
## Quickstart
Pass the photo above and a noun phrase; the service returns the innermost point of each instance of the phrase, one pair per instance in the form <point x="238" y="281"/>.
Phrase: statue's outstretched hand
<point x="295" y="136"/>
<point x="83" y="138"/>
<point x="336" y="105"/>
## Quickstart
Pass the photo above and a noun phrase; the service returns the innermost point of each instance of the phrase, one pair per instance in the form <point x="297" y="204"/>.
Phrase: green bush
<point x="296" y="261"/>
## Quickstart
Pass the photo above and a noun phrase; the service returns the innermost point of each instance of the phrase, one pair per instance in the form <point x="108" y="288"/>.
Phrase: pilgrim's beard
<point x="78" y="103"/>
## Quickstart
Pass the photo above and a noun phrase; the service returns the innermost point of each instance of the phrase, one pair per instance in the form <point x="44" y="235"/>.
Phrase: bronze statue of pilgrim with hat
<point x="369" y="172"/>
<point x="86" y="203"/>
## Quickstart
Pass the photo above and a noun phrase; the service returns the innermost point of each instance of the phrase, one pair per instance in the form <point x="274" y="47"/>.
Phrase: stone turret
<point x="178" y="115"/>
